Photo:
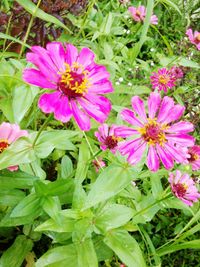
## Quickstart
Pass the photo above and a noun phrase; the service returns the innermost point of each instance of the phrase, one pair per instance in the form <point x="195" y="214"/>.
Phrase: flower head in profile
<point x="98" y="164"/>
<point x="183" y="187"/>
<point x="155" y="133"/>
<point x="163" y="80"/>
<point x="9" y="133"/>
<point x="194" y="37"/>
<point x="176" y="72"/>
<point x="139" y="13"/>
<point x="194" y="159"/>
<point x="107" y="137"/>
<point x="75" y="81"/>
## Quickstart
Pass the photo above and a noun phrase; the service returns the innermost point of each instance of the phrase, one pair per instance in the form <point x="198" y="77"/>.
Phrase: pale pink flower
<point x="194" y="159"/>
<point x="162" y="80"/>
<point x="194" y="37"/>
<point x="155" y="133"/>
<point x="9" y="133"/>
<point x="183" y="187"/>
<point x="139" y="14"/>
<point x="107" y="137"/>
<point x="98" y="164"/>
<point x="76" y="83"/>
<point x="176" y="72"/>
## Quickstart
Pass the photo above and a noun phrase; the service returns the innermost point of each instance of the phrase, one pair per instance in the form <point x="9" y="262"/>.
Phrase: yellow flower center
<point x="153" y="132"/>
<point x="138" y="12"/>
<point x="74" y="80"/>
<point x="164" y="79"/>
<point x="3" y="144"/>
<point x="198" y="37"/>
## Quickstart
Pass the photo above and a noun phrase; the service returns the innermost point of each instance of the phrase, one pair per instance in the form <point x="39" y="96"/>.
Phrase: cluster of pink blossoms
<point x="165" y="79"/>
<point x="194" y="37"/>
<point x="139" y="13"/>
<point x="77" y="85"/>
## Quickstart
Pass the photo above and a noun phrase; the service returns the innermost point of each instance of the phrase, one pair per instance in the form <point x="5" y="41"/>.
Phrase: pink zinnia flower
<point x="163" y="79"/>
<point x="139" y="14"/>
<point x="194" y="159"/>
<point x="155" y="132"/>
<point x="176" y="72"/>
<point x="9" y="133"/>
<point x="107" y="137"/>
<point x="183" y="187"/>
<point x="194" y="38"/>
<point x="76" y="81"/>
<point x="98" y="164"/>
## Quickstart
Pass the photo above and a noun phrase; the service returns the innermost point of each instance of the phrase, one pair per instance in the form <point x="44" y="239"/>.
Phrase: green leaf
<point x="8" y="37"/>
<point x="52" y="207"/>
<point x="188" y="63"/>
<point x="172" y="4"/>
<point x="66" y="167"/>
<point x="109" y="183"/>
<point x="11" y="197"/>
<point x="86" y="254"/>
<point x="156" y="185"/>
<point x="23" y="97"/>
<point x="83" y="162"/>
<point x="48" y="140"/>
<point x="20" y="151"/>
<point x="113" y="216"/>
<point x="16" y="254"/>
<point x="102" y="250"/>
<point x="17" y="179"/>
<point x="59" y="257"/>
<point x="29" y="205"/>
<point x="125" y="247"/>
<point x="194" y="244"/>
<point x="36" y="12"/>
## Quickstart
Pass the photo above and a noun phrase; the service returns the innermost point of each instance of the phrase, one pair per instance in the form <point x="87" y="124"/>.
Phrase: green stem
<point x="91" y="150"/>
<point x="42" y="128"/>
<point x="153" y="204"/>
<point x="29" y="28"/>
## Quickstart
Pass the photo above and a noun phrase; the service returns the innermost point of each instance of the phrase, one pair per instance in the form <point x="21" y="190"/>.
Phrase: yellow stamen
<point x="164" y="79"/>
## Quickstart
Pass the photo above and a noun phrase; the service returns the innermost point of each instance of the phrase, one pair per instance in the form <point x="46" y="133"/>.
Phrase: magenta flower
<point x="139" y="14"/>
<point x="194" y="37"/>
<point x="9" y="133"/>
<point x="162" y="80"/>
<point x="76" y="82"/>
<point x="155" y="132"/>
<point x="183" y="187"/>
<point x="194" y="159"/>
<point x="107" y="137"/>
<point x="98" y="164"/>
<point x="176" y="72"/>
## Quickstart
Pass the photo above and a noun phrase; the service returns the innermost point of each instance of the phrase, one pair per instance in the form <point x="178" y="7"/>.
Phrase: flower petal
<point x="62" y="111"/>
<point x="176" y="112"/>
<point x="124" y="131"/>
<point x="128" y="147"/>
<point x="165" y="109"/>
<point x="181" y="139"/>
<point x="136" y="156"/>
<point x="35" y="77"/>
<point x="152" y="159"/>
<point x="165" y="157"/>
<point x="86" y="57"/>
<point x="57" y="54"/>
<point x="102" y="87"/>
<point x="129" y="116"/>
<point x="153" y="104"/>
<point x="181" y="127"/>
<point x="71" y="54"/>
<point x="138" y="107"/>
<point x="48" y="101"/>
<point x="81" y="118"/>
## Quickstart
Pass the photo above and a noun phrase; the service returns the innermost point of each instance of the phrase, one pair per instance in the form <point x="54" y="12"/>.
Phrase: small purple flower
<point x="194" y="37"/>
<point x="107" y="137"/>
<point x="98" y="164"/>
<point x="139" y="13"/>
<point x="194" y="159"/>
<point x="163" y="80"/>
<point x="176" y="72"/>
<point x="183" y="187"/>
